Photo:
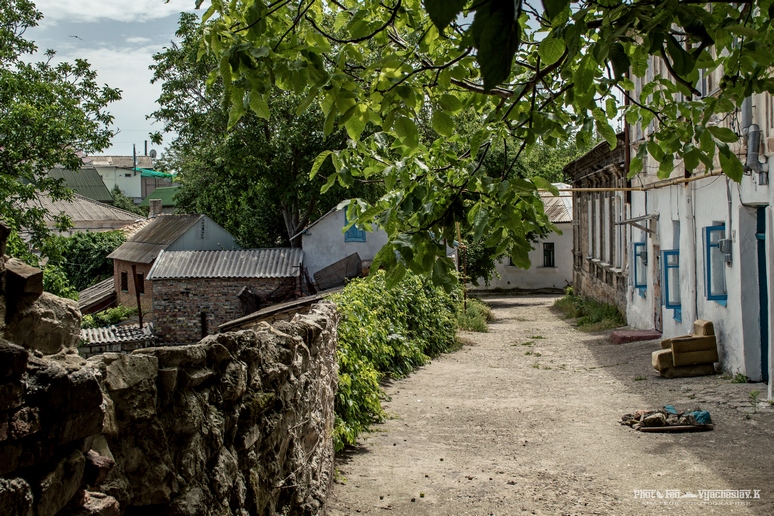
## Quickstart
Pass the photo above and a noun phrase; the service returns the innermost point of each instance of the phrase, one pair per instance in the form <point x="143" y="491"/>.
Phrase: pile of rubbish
<point x="668" y="419"/>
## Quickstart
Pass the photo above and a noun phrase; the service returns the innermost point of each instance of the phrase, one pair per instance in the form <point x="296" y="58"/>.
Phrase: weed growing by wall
<point x="592" y="315"/>
<point x="385" y="333"/>
<point x="108" y="317"/>
<point x="476" y="316"/>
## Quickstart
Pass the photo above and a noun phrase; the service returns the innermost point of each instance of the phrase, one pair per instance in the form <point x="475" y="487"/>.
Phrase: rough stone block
<point x="25" y="422"/>
<point x="16" y="497"/>
<point x="48" y="325"/>
<point x="61" y="484"/>
<point x="13" y="361"/>
<point x="10" y="396"/>
<point x="22" y="280"/>
<point x="97" y="468"/>
<point x="95" y="504"/>
<point x="5" y="232"/>
<point x="130" y="370"/>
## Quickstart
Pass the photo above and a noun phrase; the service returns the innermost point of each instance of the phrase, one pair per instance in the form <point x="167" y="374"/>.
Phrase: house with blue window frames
<point x="324" y="242"/>
<point x="701" y="245"/>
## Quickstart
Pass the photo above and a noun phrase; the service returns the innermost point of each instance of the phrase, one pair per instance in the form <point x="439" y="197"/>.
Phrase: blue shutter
<point x="353" y="234"/>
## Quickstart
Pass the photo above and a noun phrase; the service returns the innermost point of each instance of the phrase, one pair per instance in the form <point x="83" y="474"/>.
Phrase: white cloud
<point x="138" y="40"/>
<point x="55" y="11"/>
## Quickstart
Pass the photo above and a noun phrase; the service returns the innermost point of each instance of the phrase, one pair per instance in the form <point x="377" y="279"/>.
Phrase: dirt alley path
<point x="503" y="426"/>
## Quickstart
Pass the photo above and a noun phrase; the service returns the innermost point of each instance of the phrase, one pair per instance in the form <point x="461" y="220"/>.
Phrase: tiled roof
<point x="145" y="245"/>
<point x="558" y="208"/>
<point x="96" y="293"/>
<point x="84" y="209"/>
<point x="244" y="263"/>
<point x="121" y="161"/>
<point x="131" y="229"/>
<point x="165" y="193"/>
<point x="123" y="333"/>
<point x="85" y="181"/>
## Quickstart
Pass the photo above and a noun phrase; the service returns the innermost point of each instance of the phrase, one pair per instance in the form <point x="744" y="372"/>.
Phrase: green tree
<point x="532" y="73"/>
<point x="83" y="256"/>
<point x="254" y="179"/>
<point x="120" y="200"/>
<point x="48" y="113"/>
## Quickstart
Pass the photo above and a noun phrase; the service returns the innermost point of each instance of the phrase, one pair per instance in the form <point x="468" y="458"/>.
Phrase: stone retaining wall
<point x="239" y="423"/>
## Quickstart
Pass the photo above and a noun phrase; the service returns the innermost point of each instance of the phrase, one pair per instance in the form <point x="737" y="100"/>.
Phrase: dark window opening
<point x="124" y="282"/>
<point x="549" y="255"/>
<point x="140" y="284"/>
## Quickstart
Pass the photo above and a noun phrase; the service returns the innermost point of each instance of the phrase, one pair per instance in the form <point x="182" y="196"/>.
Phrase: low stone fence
<point x="239" y="423"/>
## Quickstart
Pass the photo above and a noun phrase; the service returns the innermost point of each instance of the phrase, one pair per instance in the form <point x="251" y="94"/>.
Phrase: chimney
<point x="155" y="208"/>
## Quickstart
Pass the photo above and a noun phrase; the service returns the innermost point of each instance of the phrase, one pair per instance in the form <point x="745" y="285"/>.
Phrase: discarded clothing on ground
<point x="668" y="419"/>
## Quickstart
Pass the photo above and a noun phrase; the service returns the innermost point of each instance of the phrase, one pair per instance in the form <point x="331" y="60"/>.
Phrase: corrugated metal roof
<point x="121" y="161"/>
<point x="145" y="245"/>
<point x="84" y="209"/>
<point x="96" y="293"/>
<point x="131" y="229"/>
<point x="558" y="209"/>
<point x="123" y="333"/>
<point x="165" y="193"/>
<point x="85" y="181"/>
<point x="243" y="263"/>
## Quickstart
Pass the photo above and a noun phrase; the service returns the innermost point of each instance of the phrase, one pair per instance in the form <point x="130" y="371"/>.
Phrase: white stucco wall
<point x="323" y="243"/>
<point x="131" y="185"/>
<point x="537" y="276"/>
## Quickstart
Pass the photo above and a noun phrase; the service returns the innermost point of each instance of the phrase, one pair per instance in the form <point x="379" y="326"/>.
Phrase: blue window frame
<point x="640" y="265"/>
<point x="353" y="234"/>
<point x="671" y="261"/>
<point x="715" y="264"/>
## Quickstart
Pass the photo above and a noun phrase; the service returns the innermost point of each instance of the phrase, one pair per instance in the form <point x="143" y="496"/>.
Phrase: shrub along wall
<point x="385" y="332"/>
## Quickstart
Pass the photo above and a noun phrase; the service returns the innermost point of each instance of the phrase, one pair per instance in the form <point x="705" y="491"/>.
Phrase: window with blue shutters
<point x="715" y="264"/>
<point x="640" y="266"/>
<point x="671" y="264"/>
<point x="353" y="234"/>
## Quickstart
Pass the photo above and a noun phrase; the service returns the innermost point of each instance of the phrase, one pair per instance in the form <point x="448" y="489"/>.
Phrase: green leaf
<point x="496" y="34"/>
<point x="550" y="50"/>
<point x="723" y="134"/>
<point x="443" y="12"/>
<point x="555" y="7"/>
<point x="395" y="274"/>
<point x="604" y="128"/>
<point x="730" y="164"/>
<point x="682" y="61"/>
<point x="237" y="107"/>
<point x="611" y="109"/>
<point x="357" y="121"/>
<point x="318" y="162"/>
<point x="635" y="167"/>
<point x="544" y="184"/>
<point x="442" y="123"/>
<point x="450" y="103"/>
<point x="407" y="133"/>
<point x="619" y="59"/>
<point x="475" y="142"/>
<point x="259" y="105"/>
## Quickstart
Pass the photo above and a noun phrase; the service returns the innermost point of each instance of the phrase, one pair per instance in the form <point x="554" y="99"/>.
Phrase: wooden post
<point x="137" y="292"/>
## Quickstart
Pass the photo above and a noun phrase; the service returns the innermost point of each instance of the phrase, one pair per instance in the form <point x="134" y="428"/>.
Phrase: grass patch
<point x="476" y="316"/>
<point x="537" y="337"/>
<point x="739" y="378"/>
<point x="592" y="315"/>
<point x="639" y="378"/>
<point x="108" y="317"/>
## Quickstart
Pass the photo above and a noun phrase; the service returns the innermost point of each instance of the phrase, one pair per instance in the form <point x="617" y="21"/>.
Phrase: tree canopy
<point x="48" y="113"/>
<point x="254" y="179"/>
<point x="531" y="71"/>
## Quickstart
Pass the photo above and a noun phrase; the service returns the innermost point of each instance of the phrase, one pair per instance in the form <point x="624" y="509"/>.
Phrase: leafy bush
<point x="476" y="316"/>
<point x="83" y="256"/>
<point x="385" y="333"/>
<point x="108" y="317"/>
<point x="592" y="315"/>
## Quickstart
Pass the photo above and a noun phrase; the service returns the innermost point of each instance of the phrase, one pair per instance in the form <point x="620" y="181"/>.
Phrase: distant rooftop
<point x="86" y="182"/>
<point x="165" y="193"/>
<point x="121" y="161"/>
<point x="145" y="245"/>
<point x="84" y="209"/>
<point x="558" y="208"/>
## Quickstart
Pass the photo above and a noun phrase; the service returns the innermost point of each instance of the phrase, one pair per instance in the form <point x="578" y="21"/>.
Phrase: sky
<point x="119" y="39"/>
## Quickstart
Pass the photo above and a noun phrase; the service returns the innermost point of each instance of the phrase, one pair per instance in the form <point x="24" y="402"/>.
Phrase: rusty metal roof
<point x="145" y="245"/>
<point x="557" y="208"/>
<point x="243" y="263"/>
<point x="123" y="333"/>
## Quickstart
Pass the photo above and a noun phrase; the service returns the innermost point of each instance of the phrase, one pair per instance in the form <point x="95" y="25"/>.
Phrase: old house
<point x="194" y="292"/>
<point x="551" y="257"/>
<point x="324" y="243"/>
<point x="165" y="232"/>
<point x="600" y="239"/>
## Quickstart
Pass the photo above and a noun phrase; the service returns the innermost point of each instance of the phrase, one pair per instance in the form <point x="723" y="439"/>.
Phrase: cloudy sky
<point x="119" y="39"/>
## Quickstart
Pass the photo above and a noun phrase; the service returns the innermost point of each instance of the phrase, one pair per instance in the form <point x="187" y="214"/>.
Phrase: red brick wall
<point x="178" y="304"/>
<point x="129" y="298"/>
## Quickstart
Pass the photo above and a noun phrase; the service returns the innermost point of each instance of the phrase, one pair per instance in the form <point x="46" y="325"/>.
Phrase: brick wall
<point x="128" y="298"/>
<point x="178" y="304"/>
